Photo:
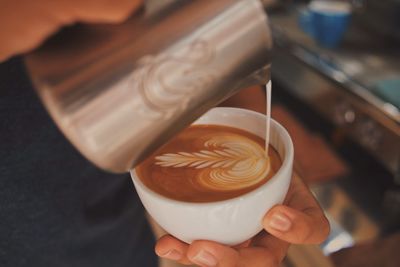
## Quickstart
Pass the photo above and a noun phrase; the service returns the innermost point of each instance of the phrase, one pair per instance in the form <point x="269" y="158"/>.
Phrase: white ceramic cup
<point x="231" y="221"/>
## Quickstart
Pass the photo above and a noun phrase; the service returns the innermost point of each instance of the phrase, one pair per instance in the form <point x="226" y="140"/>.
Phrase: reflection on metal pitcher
<point x="165" y="92"/>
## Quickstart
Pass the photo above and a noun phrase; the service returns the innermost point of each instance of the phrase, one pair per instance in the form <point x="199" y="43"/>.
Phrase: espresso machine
<point x="349" y="95"/>
<point x="118" y="92"/>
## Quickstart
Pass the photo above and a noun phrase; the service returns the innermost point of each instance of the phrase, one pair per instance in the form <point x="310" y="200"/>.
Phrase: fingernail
<point x="172" y="255"/>
<point x="205" y="258"/>
<point x="280" y="222"/>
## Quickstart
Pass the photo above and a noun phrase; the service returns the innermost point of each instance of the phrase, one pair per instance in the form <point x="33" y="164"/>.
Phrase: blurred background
<point x="336" y="88"/>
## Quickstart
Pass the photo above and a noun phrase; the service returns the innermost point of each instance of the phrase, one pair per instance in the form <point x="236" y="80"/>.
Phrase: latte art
<point x="209" y="163"/>
<point x="227" y="162"/>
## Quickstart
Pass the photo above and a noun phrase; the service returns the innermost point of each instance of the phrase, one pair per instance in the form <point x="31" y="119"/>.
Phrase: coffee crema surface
<point x="206" y="163"/>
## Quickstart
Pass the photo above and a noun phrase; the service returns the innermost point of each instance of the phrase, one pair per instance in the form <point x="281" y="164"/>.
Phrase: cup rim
<point x="286" y="163"/>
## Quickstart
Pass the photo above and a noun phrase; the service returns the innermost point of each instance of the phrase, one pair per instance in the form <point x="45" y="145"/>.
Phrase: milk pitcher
<point x="118" y="92"/>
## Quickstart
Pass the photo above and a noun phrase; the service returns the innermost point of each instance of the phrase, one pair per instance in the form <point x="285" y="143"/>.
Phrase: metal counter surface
<point x="359" y="63"/>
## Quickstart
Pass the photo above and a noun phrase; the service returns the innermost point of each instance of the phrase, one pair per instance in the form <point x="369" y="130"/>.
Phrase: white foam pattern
<point x="227" y="162"/>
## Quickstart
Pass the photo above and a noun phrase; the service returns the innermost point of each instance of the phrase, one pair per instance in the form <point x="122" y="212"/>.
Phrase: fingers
<point x="42" y="18"/>
<point x="244" y="244"/>
<point x="171" y="248"/>
<point x="257" y="257"/>
<point x="299" y="196"/>
<point x="296" y="227"/>
<point x="302" y="221"/>
<point x="276" y="246"/>
<point x="210" y="254"/>
<point x="266" y="251"/>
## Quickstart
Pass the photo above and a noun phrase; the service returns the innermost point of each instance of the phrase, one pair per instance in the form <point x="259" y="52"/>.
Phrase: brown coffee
<point x="206" y="163"/>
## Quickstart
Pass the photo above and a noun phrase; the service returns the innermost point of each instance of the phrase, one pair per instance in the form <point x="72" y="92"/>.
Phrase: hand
<point x="299" y="221"/>
<point x="27" y="23"/>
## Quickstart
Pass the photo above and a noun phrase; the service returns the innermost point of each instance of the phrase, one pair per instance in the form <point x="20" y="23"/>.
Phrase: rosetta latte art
<point x="227" y="163"/>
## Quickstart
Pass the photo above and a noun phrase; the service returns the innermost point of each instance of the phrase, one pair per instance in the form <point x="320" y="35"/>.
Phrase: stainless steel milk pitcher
<point x="118" y="92"/>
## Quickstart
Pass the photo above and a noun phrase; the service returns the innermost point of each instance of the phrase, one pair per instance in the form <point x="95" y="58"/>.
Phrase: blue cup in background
<point x="326" y="21"/>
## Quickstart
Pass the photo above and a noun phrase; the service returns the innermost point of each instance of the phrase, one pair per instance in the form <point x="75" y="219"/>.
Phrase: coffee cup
<point x="326" y="21"/>
<point x="234" y="220"/>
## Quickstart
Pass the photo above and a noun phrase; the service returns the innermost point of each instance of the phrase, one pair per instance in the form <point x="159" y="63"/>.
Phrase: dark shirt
<point x="56" y="208"/>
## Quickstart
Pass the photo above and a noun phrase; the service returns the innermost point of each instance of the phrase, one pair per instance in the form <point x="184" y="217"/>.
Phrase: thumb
<point x="298" y="227"/>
